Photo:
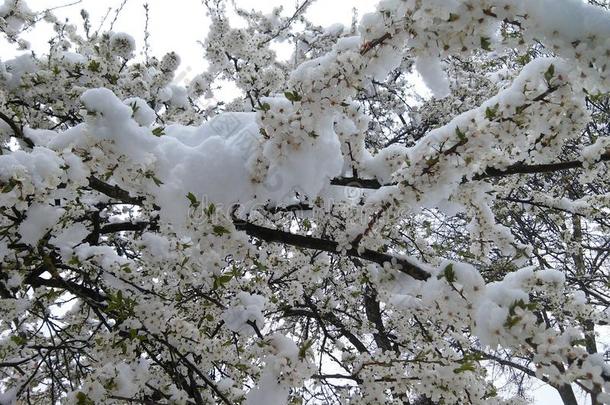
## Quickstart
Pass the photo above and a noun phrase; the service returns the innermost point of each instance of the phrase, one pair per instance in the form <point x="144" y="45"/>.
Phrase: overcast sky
<point x="177" y="25"/>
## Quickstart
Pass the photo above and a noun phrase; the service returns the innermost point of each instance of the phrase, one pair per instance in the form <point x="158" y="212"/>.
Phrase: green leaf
<point x="578" y="342"/>
<point x="461" y="135"/>
<point x="110" y="384"/>
<point x="524" y="59"/>
<point x="112" y="79"/>
<point x="486" y="43"/>
<point x="210" y="210"/>
<point x="220" y="230"/>
<point x="448" y="273"/>
<point x="467" y="366"/>
<point x="8" y="187"/>
<point x="121" y="307"/>
<point x="19" y="340"/>
<point x="260" y="266"/>
<point x="491" y="112"/>
<point x="151" y="176"/>
<point x="94" y="66"/>
<point x="520" y="108"/>
<point x="432" y="161"/>
<point x="159" y="131"/>
<point x="512" y="321"/>
<point x="133" y="333"/>
<point x="74" y="261"/>
<point x="265" y="107"/>
<point x="513" y="318"/>
<point x="492" y="393"/>
<point x="521" y="304"/>
<point x="222" y="280"/>
<point x="83" y="399"/>
<point x="191" y="197"/>
<point x="293" y="96"/>
<point x="304" y="348"/>
<point x="550" y="72"/>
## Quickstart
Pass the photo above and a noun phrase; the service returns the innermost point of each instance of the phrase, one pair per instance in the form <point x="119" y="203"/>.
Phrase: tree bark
<point x="567" y="394"/>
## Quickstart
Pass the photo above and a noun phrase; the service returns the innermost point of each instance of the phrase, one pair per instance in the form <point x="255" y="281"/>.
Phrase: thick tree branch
<point x="91" y="296"/>
<point x="518" y="168"/>
<point x="358" y="182"/>
<point x="271" y="235"/>
<point x="535" y="169"/>
<point x="373" y="314"/>
<point x="113" y="191"/>
<point x="123" y="226"/>
<point x="309" y="242"/>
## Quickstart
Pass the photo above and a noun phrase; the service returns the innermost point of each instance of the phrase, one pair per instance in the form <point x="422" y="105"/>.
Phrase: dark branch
<point x="490" y="172"/>
<point x="332" y="319"/>
<point x="309" y="242"/>
<point x="113" y="191"/>
<point x="16" y="130"/>
<point x="123" y="226"/>
<point x="357" y="182"/>
<point x="534" y="169"/>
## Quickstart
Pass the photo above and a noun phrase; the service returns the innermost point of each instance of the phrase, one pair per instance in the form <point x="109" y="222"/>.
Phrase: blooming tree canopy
<point x="329" y="236"/>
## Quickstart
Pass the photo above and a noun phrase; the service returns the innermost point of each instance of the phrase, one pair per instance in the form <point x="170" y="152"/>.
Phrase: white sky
<point x="177" y="25"/>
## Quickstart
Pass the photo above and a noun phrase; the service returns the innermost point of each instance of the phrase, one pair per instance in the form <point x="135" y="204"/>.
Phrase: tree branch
<point x="123" y="226"/>
<point x="330" y="246"/>
<point x="520" y="168"/>
<point x="490" y="172"/>
<point x="113" y="191"/>
<point x="16" y="130"/>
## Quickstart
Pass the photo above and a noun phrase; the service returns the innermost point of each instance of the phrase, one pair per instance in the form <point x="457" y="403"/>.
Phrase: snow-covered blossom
<point x="342" y="231"/>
